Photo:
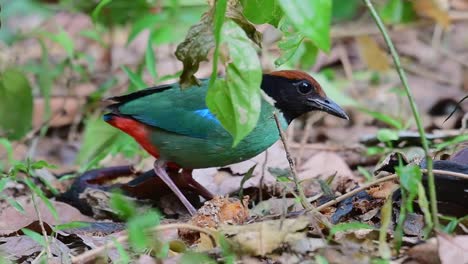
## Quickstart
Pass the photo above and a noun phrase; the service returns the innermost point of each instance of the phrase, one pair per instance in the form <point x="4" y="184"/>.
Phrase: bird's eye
<point x="304" y="88"/>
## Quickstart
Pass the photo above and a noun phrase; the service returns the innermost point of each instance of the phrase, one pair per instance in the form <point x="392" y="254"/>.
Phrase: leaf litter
<point x="272" y="225"/>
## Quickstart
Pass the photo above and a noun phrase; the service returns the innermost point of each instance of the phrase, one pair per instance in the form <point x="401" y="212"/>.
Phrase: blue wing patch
<point x="205" y="113"/>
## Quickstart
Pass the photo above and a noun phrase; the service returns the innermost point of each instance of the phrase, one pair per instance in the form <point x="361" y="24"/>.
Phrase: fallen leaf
<point x="425" y="252"/>
<point x="326" y="164"/>
<point x="372" y="54"/>
<point x="261" y="238"/>
<point x="18" y="247"/>
<point x="453" y="249"/>
<point x="11" y="220"/>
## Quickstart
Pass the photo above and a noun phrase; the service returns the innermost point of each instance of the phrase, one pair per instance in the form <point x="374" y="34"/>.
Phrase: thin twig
<point x="404" y="81"/>
<point x="92" y="254"/>
<point x="353" y="192"/>
<point x="41" y="224"/>
<point x="387" y="178"/>
<point x="448" y="173"/>
<point x="302" y="196"/>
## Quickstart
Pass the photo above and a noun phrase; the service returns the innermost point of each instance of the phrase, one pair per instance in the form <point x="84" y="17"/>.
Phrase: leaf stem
<point x="404" y="81"/>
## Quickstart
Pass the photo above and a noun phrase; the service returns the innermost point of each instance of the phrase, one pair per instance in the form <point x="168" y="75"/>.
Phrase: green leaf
<point x="410" y="178"/>
<point x="309" y="54"/>
<point x="289" y="43"/>
<point x="35" y="236"/>
<point x="98" y="137"/>
<point x="365" y="173"/>
<point x="3" y="182"/>
<point x="196" y="258"/>
<point x="9" y="150"/>
<point x="97" y="10"/>
<point x="397" y="11"/>
<point x="33" y="187"/>
<point x="141" y="24"/>
<point x="124" y="258"/>
<point x="236" y="100"/>
<point x="321" y="259"/>
<point x="63" y="39"/>
<point x="424" y="205"/>
<point x="343" y="227"/>
<point x="386" y="217"/>
<point x="344" y="10"/>
<point x="262" y="11"/>
<point x="18" y="207"/>
<point x="138" y="227"/>
<point x="246" y="177"/>
<point x="71" y="225"/>
<point x="150" y="59"/>
<point x="135" y="79"/>
<point x="123" y="206"/>
<point x="220" y="10"/>
<point x="383" y="118"/>
<point x="311" y="18"/>
<point x="17" y="104"/>
<point x="386" y="135"/>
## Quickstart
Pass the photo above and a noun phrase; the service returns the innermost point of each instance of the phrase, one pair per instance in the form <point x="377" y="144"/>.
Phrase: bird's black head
<point x="295" y="93"/>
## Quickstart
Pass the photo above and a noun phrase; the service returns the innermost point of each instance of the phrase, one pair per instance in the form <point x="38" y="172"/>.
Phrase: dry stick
<point x="448" y="173"/>
<point x="417" y="118"/>
<point x="302" y="196"/>
<point x="387" y="178"/>
<point x="92" y="254"/>
<point x="305" y="203"/>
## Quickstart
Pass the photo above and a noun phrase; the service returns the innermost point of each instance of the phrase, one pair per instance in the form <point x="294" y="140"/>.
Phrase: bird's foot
<point x="160" y="170"/>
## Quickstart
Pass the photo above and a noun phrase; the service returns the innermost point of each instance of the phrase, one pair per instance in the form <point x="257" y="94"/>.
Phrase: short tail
<point x="109" y="117"/>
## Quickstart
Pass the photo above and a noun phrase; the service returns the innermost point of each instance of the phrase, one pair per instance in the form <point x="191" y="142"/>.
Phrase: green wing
<point x="173" y="109"/>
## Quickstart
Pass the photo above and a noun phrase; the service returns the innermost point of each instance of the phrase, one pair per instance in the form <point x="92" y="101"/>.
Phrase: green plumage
<point x="185" y="132"/>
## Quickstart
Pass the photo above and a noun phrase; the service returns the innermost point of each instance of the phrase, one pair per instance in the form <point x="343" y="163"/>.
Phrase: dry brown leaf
<point x="425" y="252"/>
<point x="453" y="249"/>
<point x="262" y="238"/>
<point x="326" y="164"/>
<point x="459" y="4"/>
<point x="372" y="54"/>
<point x="431" y="9"/>
<point x="11" y="220"/>
<point x="17" y="247"/>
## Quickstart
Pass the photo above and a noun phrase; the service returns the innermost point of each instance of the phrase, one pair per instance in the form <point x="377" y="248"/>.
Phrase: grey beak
<point x="328" y="106"/>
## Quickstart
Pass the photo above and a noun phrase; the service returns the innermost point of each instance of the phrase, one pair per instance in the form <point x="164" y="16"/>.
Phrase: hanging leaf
<point x="311" y="18"/>
<point x="200" y="40"/>
<point x="236" y="100"/>
<point x="398" y="11"/>
<point x="17" y="104"/>
<point x="262" y="11"/>
<point x="289" y="43"/>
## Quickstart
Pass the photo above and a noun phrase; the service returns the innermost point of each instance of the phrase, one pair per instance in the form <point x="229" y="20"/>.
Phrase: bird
<point x="176" y="127"/>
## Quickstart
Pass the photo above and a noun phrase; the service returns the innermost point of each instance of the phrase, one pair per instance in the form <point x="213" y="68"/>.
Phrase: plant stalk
<point x="417" y="117"/>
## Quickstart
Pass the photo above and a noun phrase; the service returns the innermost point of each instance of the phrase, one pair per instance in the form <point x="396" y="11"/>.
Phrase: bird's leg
<point x="188" y="178"/>
<point x="160" y="170"/>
